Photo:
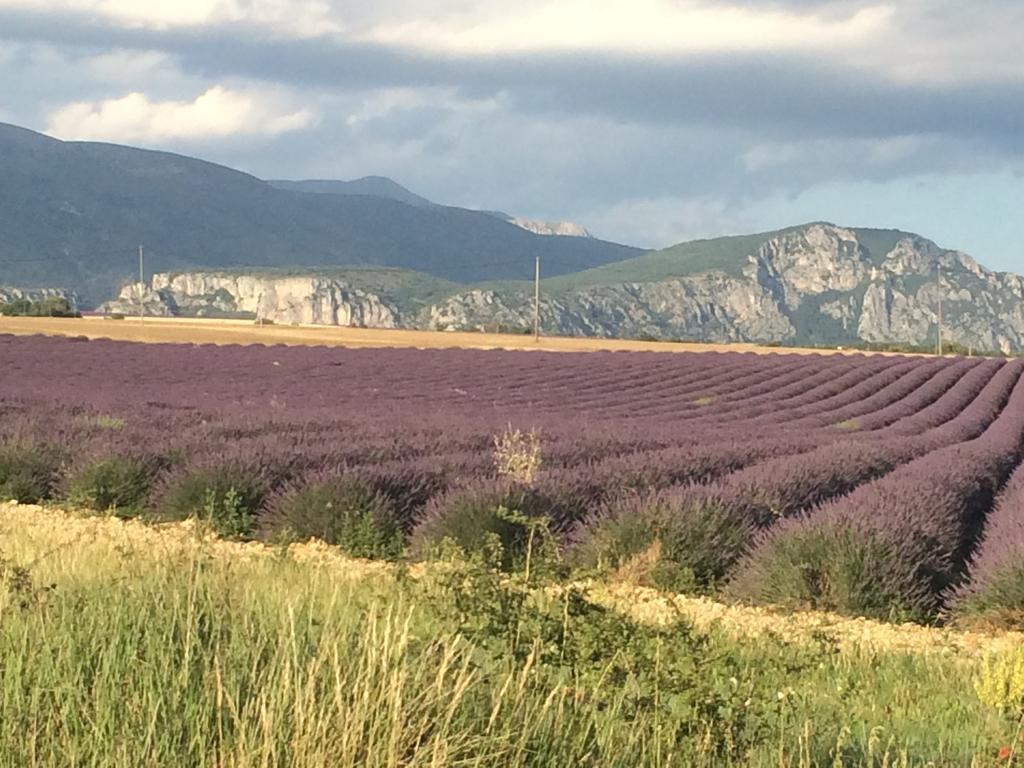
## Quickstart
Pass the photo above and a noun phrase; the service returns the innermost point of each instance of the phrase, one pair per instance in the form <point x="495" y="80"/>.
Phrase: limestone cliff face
<point x="715" y="308"/>
<point x="562" y="228"/>
<point x="300" y="299"/>
<point x="819" y="260"/>
<point x="817" y="284"/>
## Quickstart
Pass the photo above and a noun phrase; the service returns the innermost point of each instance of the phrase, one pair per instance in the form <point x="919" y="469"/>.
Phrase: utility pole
<point x="938" y="282"/>
<point x="536" y="301"/>
<point x="142" y="289"/>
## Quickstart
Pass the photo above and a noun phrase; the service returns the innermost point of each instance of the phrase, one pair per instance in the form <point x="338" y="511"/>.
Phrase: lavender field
<point x="875" y="486"/>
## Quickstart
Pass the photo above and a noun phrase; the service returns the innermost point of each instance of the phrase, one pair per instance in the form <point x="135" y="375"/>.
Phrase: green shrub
<point x="227" y="497"/>
<point x="117" y="483"/>
<point x="28" y="473"/>
<point x="344" y="511"/>
<point x="51" y="306"/>
<point x="689" y="544"/>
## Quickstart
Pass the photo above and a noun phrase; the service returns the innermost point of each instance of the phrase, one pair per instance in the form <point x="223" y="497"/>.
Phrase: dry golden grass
<point x="59" y="544"/>
<point x="210" y="331"/>
<point x="852" y="635"/>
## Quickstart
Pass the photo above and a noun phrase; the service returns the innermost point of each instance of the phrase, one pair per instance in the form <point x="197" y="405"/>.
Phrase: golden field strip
<point x="61" y="546"/>
<point x="216" y="331"/>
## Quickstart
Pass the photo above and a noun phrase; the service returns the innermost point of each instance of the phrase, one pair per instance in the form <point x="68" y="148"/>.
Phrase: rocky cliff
<point x="819" y="284"/>
<point x="300" y="299"/>
<point x="562" y="228"/>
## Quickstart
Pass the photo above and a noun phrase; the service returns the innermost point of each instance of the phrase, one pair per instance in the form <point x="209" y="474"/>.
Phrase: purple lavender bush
<point x="895" y="547"/>
<point x="993" y="593"/>
<point x="343" y="510"/>
<point x="691" y="540"/>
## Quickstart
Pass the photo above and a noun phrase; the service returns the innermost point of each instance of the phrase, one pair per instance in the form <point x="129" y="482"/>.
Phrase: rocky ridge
<point x="814" y="285"/>
<point x="818" y="284"/>
<point x="299" y="299"/>
<point x="551" y="228"/>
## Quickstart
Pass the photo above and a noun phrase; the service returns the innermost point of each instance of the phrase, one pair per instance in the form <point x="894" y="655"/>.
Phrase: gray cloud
<point x="784" y="95"/>
<point x="576" y="134"/>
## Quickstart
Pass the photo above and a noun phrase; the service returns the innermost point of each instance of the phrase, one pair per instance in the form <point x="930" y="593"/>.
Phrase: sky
<point x="649" y="122"/>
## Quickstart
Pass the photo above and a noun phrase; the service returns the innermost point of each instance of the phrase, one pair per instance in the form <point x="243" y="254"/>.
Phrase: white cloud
<point x="638" y="26"/>
<point x="664" y="221"/>
<point x="218" y="112"/>
<point x="384" y="102"/>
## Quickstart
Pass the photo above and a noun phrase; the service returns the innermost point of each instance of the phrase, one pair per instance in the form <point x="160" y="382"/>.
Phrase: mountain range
<point x="371" y="252"/>
<point x="74" y="213"/>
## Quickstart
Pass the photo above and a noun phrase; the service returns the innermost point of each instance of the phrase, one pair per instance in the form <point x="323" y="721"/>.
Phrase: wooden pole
<point x="536" y="300"/>
<point x="142" y="289"/>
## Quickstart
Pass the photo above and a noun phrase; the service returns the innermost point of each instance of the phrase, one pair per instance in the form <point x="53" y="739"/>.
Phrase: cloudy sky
<point x="648" y="121"/>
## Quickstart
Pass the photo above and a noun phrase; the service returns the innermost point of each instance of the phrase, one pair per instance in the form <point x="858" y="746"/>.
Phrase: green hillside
<point x="72" y="215"/>
<point x="720" y="254"/>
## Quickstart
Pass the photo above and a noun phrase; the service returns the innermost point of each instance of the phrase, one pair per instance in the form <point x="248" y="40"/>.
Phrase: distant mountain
<point x="72" y="215"/>
<point x="373" y="186"/>
<point x="817" y="284"/>
<point x="380" y="186"/>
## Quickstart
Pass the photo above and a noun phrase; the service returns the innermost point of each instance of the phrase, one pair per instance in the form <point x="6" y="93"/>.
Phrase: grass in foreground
<point x="122" y="644"/>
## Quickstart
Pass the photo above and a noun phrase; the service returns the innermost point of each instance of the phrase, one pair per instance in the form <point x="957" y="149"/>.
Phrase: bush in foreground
<point x="995" y="600"/>
<point x="994" y="592"/>
<point x="408" y="486"/>
<point x="114" y="483"/>
<point x="482" y="516"/>
<point x="28" y="472"/>
<point x="690" y="540"/>
<point x="343" y="510"/>
<point x="827" y="568"/>
<point x="226" y="496"/>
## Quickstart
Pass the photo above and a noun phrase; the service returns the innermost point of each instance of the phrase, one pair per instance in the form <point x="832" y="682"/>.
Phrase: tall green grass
<point x="194" y="658"/>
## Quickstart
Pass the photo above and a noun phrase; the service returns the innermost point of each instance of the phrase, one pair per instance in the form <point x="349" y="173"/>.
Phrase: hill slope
<point x="72" y="215"/>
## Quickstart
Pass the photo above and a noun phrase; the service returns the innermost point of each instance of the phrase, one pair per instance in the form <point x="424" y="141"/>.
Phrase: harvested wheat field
<point x="214" y="331"/>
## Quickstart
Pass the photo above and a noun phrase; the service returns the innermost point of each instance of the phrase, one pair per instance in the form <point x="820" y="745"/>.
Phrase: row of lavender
<point x="807" y="480"/>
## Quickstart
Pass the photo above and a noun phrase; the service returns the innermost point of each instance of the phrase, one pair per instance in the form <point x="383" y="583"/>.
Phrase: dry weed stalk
<point x="517" y="454"/>
<point x="637" y="570"/>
